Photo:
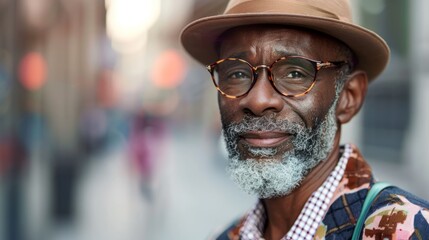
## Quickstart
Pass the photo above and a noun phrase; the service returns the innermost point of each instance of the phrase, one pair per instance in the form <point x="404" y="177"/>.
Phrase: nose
<point x="262" y="98"/>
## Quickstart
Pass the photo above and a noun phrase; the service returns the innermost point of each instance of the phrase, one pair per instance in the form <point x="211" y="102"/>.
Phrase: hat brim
<point x="199" y="37"/>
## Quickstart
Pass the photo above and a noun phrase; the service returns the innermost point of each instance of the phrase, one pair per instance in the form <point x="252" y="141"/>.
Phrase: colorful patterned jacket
<point x="395" y="214"/>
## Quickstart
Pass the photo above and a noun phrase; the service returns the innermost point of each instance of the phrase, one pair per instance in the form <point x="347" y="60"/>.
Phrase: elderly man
<point x="289" y="73"/>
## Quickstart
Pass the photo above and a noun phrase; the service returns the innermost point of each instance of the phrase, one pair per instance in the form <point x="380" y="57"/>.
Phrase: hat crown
<point x="334" y="9"/>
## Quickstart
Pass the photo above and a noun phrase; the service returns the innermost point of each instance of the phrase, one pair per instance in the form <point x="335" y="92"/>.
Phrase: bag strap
<point x="373" y="192"/>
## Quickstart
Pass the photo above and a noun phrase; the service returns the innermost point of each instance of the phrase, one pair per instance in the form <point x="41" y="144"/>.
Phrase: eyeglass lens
<point x="291" y="76"/>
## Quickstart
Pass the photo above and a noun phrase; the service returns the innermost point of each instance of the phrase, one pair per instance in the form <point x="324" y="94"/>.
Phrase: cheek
<point x="314" y="106"/>
<point x="229" y="110"/>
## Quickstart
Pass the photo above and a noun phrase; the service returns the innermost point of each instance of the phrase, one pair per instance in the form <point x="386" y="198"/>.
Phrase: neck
<point x="282" y="212"/>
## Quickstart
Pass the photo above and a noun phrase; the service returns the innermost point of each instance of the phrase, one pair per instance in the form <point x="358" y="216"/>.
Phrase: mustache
<point x="264" y="123"/>
<point x="303" y="138"/>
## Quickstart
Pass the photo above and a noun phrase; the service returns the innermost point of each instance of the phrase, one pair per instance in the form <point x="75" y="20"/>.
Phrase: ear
<point x="352" y="96"/>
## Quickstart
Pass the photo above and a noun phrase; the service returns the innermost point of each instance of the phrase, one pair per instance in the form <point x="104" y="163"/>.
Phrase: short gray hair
<point x="345" y="71"/>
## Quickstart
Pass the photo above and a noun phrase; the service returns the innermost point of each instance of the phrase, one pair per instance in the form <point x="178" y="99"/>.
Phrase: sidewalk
<point x="190" y="197"/>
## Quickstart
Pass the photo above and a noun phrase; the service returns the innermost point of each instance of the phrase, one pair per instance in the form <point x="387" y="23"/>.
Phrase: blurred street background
<point x="108" y="130"/>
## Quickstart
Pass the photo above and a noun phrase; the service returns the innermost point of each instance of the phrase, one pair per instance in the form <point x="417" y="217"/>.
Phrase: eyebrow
<point x="241" y="55"/>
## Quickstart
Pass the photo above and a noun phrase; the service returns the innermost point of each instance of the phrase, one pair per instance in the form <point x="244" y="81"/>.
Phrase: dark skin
<point x="263" y="45"/>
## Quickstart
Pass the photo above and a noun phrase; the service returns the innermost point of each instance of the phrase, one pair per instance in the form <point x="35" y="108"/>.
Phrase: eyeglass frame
<point x="316" y="63"/>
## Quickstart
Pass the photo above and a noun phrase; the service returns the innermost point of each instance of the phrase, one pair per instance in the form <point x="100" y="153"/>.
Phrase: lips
<point x="265" y="139"/>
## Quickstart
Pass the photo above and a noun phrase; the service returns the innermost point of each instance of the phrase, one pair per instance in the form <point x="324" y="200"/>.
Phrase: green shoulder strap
<point x="373" y="192"/>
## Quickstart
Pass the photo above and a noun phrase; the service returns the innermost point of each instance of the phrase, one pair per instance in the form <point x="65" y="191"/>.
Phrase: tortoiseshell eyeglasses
<point x="291" y="76"/>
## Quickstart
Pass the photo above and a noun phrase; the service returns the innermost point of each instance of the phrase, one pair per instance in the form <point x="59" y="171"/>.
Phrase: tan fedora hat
<point x="332" y="17"/>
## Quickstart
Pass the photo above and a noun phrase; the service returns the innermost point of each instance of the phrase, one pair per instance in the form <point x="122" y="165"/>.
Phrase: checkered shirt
<point x="311" y="215"/>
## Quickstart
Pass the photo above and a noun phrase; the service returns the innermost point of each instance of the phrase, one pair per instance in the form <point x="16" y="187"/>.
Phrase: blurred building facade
<point x="49" y="64"/>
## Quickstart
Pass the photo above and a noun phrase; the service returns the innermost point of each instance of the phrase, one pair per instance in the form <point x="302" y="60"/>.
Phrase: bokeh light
<point x="129" y="20"/>
<point x="32" y="71"/>
<point x="169" y="69"/>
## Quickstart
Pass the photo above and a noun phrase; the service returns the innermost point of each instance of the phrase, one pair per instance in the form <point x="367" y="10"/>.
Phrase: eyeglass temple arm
<point x="330" y="64"/>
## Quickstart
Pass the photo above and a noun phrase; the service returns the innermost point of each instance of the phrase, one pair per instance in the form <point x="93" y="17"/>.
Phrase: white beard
<point x="271" y="177"/>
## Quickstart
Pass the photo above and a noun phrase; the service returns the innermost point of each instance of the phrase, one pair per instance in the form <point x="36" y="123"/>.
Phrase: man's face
<point x="274" y="141"/>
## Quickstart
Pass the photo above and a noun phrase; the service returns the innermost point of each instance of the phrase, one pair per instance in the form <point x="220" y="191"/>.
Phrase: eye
<point x="294" y="70"/>
<point x="239" y="75"/>
<point x="291" y="74"/>
<point x="295" y="74"/>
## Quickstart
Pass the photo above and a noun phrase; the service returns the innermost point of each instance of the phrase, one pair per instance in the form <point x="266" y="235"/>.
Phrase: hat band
<point x="283" y="7"/>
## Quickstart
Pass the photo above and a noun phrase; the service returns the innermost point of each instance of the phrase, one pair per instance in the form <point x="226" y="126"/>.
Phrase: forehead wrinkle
<point x="301" y="46"/>
<point x="285" y="51"/>
<point x="278" y="47"/>
<point x="242" y="43"/>
<point x="240" y="53"/>
<point x="277" y="51"/>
